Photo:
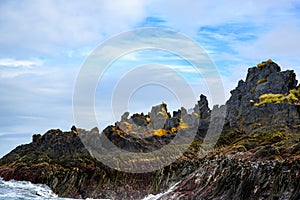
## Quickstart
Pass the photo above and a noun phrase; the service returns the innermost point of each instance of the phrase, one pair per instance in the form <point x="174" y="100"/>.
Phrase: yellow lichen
<point x="174" y="129"/>
<point x="264" y="64"/>
<point x="292" y="98"/>
<point x="196" y="115"/>
<point x="164" y="114"/>
<point x="272" y="98"/>
<point x="126" y="125"/>
<point x="148" y="120"/>
<point x="160" y="132"/>
<point x="252" y="90"/>
<point x="260" y="81"/>
<point x="183" y="125"/>
<point x="261" y="65"/>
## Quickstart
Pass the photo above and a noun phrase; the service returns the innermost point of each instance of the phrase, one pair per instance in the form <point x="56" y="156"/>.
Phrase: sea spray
<point x="157" y="196"/>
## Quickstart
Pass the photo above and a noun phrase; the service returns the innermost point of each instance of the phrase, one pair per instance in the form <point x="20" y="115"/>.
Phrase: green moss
<point x="292" y="98"/>
<point x="244" y="142"/>
<point x="271" y="98"/>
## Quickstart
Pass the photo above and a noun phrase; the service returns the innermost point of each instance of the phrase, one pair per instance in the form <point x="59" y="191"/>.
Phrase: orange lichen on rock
<point x="160" y="132"/>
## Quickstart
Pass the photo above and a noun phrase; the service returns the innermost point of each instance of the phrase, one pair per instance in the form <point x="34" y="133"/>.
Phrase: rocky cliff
<point x="256" y="157"/>
<point x="265" y="78"/>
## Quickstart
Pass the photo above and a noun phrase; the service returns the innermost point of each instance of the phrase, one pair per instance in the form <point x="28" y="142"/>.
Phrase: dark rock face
<point x="269" y="79"/>
<point x="227" y="178"/>
<point x="146" y="133"/>
<point x="171" y="123"/>
<point x="202" y="108"/>
<point x="61" y="161"/>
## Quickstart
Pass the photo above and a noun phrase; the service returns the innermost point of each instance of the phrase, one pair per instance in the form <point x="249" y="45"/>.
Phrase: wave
<point x="24" y="190"/>
<point x="157" y="196"/>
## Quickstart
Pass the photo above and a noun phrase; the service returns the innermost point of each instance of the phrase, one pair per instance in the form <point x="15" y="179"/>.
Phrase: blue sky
<point x="43" y="45"/>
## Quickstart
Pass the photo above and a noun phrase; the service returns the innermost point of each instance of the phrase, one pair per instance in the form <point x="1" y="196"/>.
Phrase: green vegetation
<point x="294" y="96"/>
<point x="291" y="98"/>
<point x="270" y="98"/>
<point x="262" y="144"/>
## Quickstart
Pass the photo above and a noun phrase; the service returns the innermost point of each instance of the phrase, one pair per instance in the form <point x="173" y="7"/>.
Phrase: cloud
<point x="9" y="141"/>
<point x="43" y="44"/>
<point x="189" y="15"/>
<point x="8" y="62"/>
<point x="10" y="68"/>
<point x="46" y="26"/>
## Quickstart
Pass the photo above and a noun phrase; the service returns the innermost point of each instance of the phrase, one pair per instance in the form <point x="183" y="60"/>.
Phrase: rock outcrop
<point x="256" y="157"/>
<point x="266" y="78"/>
<point x="231" y="178"/>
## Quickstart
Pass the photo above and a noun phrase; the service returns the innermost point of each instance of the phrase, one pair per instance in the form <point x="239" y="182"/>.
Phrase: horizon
<point x="42" y="53"/>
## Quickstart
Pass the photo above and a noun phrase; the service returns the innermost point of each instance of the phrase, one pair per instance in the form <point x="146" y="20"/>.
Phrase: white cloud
<point x="44" y="25"/>
<point x="280" y="43"/>
<point x="8" y="62"/>
<point x="11" y="68"/>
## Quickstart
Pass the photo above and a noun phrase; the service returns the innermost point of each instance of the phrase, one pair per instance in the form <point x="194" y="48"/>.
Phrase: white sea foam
<point x="157" y="196"/>
<point x="25" y="190"/>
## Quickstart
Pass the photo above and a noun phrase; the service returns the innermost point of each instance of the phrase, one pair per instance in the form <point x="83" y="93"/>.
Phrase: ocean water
<point x="24" y="190"/>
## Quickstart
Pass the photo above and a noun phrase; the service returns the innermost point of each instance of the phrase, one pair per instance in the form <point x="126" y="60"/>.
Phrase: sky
<point x="44" y="44"/>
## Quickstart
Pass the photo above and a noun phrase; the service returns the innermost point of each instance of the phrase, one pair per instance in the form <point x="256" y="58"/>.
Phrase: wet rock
<point x="224" y="178"/>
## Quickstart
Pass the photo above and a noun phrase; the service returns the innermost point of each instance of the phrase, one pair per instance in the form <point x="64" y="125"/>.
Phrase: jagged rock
<point x="226" y="178"/>
<point x="124" y="117"/>
<point x="243" y="115"/>
<point x="183" y="112"/>
<point x="202" y="108"/>
<point x="171" y="123"/>
<point x="139" y="119"/>
<point x="36" y="138"/>
<point x="191" y="120"/>
<point x="74" y="129"/>
<point x="177" y="114"/>
<point x="158" y="116"/>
